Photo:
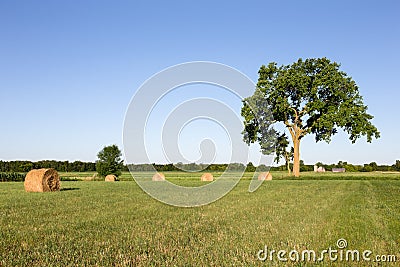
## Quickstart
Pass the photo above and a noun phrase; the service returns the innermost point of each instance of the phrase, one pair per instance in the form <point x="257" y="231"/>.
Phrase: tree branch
<point x="292" y="132"/>
<point x="288" y="124"/>
<point x="296" y="114"/>
<point x="303" y="111"/>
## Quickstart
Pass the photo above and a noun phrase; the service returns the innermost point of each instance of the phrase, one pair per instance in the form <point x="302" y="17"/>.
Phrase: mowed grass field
<point x="95" y="223"/>
<point x="277" y="175"/>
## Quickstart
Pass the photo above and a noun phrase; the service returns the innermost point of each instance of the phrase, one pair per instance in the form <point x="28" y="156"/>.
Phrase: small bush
<point x="12" y="177"/>
<point x="367" y="168"/>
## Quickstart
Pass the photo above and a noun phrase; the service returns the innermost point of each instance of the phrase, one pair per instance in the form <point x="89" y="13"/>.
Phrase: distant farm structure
<point x="319" y="169"/>
<point x="322" y="169"/>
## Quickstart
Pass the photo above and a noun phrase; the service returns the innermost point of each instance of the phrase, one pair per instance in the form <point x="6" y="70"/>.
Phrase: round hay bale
<point x="110" y="178"/>
<point x="265" y="176"/>
<point x="207" y="177"/>
<point x="42" y="180"/>
<point x="87" y="178"/>
<point x="158" y="177"/>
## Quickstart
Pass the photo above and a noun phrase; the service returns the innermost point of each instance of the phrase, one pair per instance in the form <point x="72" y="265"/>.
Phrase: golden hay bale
<point x="87" y="178"/>
<point x="42" y="180"/>
<point x="265" y="176"/>
<point x="158" y="177"/>
<point x="110" y="178"/>
<point x="207" y="177"/>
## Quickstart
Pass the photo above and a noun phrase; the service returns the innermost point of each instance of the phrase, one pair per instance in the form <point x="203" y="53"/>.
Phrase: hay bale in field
<point x="87" y="178"/>
<point x="207" y="177"/>
<point x="158" y="177"/>
<point x="42" y="180"/>
<point x="265" y="176"/>
<point x="110" y="178"/>
<point x="95" y="176"/>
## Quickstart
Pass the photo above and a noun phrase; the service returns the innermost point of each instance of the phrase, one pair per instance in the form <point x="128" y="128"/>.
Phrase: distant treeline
<point x="12" y="177"/>
<point x="79" y="166"/>
<point x="373" y="166"/>
<point x="370" y="167"/>
<point x="63" y="166"/>
<point x="195" y="167"/>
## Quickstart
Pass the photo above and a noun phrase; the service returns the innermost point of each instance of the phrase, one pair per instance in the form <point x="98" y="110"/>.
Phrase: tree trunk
<point x="288" y="165"/>
<point x="288" y="168"/>
<point x="287" y="159"/>
<point x="296" y="158"/>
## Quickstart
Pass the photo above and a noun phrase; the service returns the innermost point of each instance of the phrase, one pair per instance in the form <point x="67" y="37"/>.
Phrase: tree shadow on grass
<point x="69" y="188"/>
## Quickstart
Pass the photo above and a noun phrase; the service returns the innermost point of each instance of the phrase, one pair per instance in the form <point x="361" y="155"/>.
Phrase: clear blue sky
<point x="68" y="69"/>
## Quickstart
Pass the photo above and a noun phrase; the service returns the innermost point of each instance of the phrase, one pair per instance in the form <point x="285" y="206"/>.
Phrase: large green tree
<point x="311" y="96"/>
<point x="109" y="161"/>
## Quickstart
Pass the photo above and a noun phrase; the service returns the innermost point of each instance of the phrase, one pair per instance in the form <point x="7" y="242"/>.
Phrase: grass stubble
<point x="117" y="224"/>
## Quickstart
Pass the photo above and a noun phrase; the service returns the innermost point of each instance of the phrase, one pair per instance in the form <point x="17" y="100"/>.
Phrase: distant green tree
<point x="397" y="165"/>
<point x="282" y="151"/>
<point x="109" y="161"/>
<point x="319" y="164"/>
<point x="341" y="164"/>
<point x="26" y="167"/>
<point x="374" y="166"/>
<point x="263" y="168"/>
<point x="367" y="168"/>
<point x="250" y="167"/>
<point x="350" y="168"/>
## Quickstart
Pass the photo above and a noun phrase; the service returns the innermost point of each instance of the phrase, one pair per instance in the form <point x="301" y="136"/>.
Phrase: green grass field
<point x="92" y="223"/>
<point x="278" y="175"/>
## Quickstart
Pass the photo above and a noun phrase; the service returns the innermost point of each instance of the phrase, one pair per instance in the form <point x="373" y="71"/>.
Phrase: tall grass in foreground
<point x="117" y="224"/>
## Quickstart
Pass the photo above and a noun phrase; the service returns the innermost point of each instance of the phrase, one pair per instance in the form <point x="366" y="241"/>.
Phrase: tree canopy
<point x="109" y="161"/>
<point x="311" y="96"/>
